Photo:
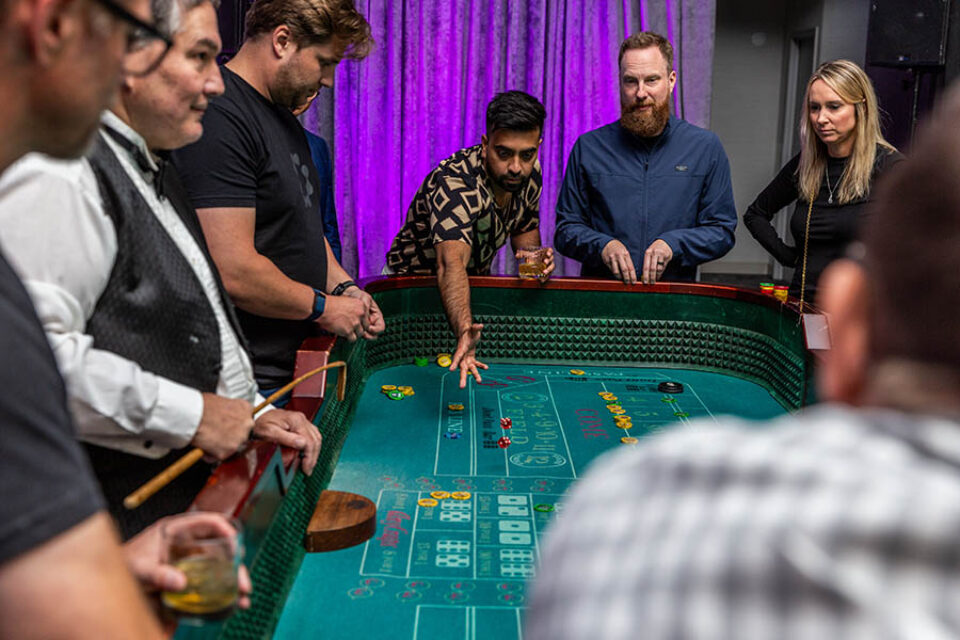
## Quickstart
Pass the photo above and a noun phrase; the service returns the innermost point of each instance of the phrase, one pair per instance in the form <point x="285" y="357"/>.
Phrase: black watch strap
<point x="343" y="286"/>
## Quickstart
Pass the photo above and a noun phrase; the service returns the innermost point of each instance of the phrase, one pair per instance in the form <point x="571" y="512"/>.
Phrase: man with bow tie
<point x="114" y="259"/>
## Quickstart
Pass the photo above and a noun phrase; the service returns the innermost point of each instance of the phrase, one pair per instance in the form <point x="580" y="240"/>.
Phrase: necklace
<point x="829" y="187"/>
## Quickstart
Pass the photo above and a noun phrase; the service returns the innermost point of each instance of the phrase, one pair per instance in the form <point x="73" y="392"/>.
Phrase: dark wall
<point x="230" y="18"/>
<point x="913" y="52"/>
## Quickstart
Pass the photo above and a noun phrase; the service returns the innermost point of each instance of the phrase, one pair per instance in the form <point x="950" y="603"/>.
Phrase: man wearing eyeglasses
<point x="62" y="574"/>
<point x="257" y="192"/>
<point x="143" y="331"/>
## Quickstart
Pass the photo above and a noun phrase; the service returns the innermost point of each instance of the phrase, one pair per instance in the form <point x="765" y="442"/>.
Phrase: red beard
<point x="645" y="124"/>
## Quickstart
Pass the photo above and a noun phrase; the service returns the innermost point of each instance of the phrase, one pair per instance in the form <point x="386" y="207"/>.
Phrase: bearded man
<point x="649" y="194"/>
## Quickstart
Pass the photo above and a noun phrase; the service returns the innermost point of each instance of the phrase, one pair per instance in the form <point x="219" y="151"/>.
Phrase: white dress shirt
<point x="61" y="242"/>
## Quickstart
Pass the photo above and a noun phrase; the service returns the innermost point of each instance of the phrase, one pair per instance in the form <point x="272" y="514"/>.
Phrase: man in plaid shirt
<point x="841" y="522"/>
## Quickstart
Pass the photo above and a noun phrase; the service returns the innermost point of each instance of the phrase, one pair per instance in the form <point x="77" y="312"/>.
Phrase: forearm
<point x="76" y="586"/>
<point x="527" y="239"/>
<point x="455" y="293"/>
<point x="579" y="241"/>
<point x="700" y="244"/>
<point x="257" y="286"/>
<point x="762" y="230"/>
<point x="335" y="273"/>
<point x="114" y="400"/>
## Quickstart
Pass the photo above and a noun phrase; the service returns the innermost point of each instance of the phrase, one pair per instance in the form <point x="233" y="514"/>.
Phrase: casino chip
<point x="421" y="361"/>
<point x="613" y="408"/>
<point x="629" y="440"/>
<point x="604" y="394"/>
<point x="396" y="394"/>
<point x="681" y="414"/>
<point x="444" y="359"/>
<point x="670" y="387"/>
<point x="460" y="495"/>
<point x="408" y="392"/>
<point x="577" y="372"/>
<point x="427" y="502"/>
<point x="543" y="508"/>
<point x="440" y="495"/>
<point x="387" y="388"/>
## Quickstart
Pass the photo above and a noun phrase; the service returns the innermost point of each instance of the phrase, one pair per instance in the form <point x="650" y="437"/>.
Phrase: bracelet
<point x="343" y="286"/>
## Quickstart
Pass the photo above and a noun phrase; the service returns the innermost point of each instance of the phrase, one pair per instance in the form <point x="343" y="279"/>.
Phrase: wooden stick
<point x="189" y="459"/>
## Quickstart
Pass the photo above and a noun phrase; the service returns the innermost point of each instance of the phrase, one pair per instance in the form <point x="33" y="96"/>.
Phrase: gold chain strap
<point x="803" y="269"/>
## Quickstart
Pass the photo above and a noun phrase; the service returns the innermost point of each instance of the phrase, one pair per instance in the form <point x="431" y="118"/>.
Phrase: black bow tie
<point x="156" y="174"/>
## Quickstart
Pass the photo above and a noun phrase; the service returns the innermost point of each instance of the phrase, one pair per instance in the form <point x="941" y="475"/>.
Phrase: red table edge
<point x="232" y="482"/>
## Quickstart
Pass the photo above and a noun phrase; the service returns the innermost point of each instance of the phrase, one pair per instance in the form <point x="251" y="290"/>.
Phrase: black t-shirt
<point x="46" y="483"/>
<point x="254" y="154"/>
<point x="833" y="226"/>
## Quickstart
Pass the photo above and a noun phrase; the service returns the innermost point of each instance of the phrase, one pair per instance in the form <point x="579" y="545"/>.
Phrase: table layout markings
<point x="413" y="533"/>
<point x="474" y="510"/>
<point x="474" y="450"/>
<point x="366" y="545"/>
<point x="440" y="414"/>
<point x="506" y="458"/>
<point x="702" y="403"/>
<point x="519" y="626"/>
<point x="563" y="433"/>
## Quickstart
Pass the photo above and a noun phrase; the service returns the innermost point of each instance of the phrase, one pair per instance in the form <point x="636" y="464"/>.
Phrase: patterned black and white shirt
<point x="833" y="524"/>
<point x="455" y="202"/>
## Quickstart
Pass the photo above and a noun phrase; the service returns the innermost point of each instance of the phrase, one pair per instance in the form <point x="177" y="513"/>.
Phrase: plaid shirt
<point x="455" y="202"/>
<point x="832" y="524"/>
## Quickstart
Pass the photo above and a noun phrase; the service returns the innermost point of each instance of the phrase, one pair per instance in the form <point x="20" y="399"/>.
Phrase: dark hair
<point x="645" y="40"/>
<point x="912" y="242"/>
<point x="312" y="22"/>
<point x="515" y="111"/>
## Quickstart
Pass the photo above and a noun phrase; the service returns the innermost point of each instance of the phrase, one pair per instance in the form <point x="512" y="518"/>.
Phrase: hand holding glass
<point x="531" y="262"/>
<point x="208" y="549"/>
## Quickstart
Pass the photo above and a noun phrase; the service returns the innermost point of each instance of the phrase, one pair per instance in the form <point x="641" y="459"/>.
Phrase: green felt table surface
<point x="461" y="569"/>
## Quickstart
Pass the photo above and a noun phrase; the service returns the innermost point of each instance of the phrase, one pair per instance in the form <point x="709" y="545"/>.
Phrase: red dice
<point x="504" y="442"/>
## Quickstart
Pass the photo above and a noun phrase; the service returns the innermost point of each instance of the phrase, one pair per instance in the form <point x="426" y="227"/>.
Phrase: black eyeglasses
<point x="146" y="45"/>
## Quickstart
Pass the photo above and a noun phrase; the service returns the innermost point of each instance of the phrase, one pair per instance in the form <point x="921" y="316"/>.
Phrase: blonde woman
<point x="830" y="179"/>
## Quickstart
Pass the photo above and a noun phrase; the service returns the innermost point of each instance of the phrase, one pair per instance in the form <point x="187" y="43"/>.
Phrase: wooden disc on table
<point x="340" y="520"/>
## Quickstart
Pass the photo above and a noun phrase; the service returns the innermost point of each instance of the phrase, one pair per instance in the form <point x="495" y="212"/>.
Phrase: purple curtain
<point x="422" y="95"/>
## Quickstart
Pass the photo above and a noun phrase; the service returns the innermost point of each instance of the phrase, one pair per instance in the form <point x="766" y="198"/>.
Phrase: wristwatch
<point x="319" y="303"/>
<point x="343" y="286"/>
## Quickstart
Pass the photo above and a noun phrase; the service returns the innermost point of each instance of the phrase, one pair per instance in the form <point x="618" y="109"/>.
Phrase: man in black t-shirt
<point x="62" y="573"/>
<point x="256" y="190"/>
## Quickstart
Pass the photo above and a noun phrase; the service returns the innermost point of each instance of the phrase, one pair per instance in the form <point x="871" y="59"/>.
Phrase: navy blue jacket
<point x="675" y="187"/>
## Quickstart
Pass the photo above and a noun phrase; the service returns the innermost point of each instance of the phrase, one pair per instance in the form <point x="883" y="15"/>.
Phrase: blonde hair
<point x="853" y="86"/>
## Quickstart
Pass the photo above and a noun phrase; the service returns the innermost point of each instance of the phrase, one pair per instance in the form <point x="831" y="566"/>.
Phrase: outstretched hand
<point x="465" y="357"/>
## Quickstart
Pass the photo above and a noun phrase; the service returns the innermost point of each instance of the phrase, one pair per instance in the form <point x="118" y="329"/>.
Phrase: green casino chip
<point x="543" y="508"/>
<point x="396" y="394"/>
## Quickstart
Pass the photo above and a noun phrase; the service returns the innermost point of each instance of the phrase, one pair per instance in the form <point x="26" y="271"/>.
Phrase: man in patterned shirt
<point x="466" y="209"/>
<point x="841" y="522"/>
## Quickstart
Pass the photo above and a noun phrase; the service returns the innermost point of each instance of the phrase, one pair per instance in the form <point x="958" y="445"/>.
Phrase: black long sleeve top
<point x="832" y="226"/>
